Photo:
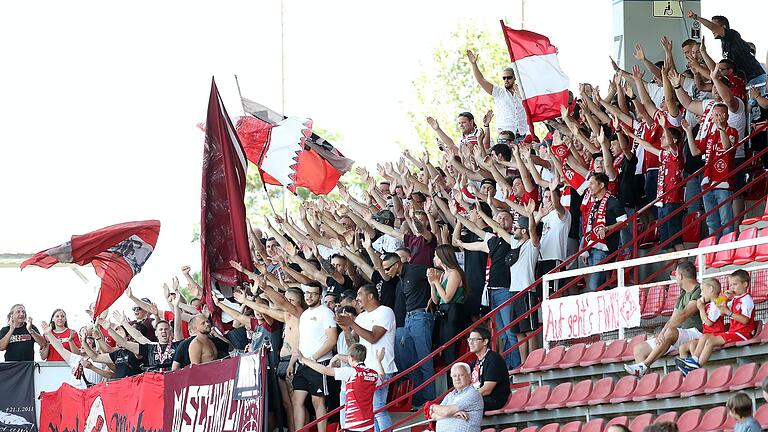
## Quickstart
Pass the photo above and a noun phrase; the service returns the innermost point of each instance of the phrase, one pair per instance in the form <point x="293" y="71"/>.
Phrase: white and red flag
<point x="543" y="85"/>
<point x="117" y="253"/>
<point x="223" y="229"/>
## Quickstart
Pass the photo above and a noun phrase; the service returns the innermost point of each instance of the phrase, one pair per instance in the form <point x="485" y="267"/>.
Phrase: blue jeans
<point x="419" y="325"/>
<point x="723" y="215"/>
<point x="382" y="420"/>
<point x="596" y="280"/>
<point x="625" y="234"/>
<point x="343" y="412"/>
<point x="404" y="355"/>
<point x="693" y="188"/>
<point x="760" y="79"/>
<point x="503" y="318"/>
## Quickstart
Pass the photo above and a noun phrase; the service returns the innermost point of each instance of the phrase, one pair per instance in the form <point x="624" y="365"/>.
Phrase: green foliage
<point x="445" y="86"/>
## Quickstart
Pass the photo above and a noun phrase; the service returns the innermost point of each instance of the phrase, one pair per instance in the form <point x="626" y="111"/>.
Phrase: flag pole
<point x="517" y="74"/>
<point x="261" y="175"/>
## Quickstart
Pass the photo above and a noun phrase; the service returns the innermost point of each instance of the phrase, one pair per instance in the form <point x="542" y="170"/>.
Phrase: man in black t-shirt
<point x="18" y="338"/>
<point x="153" y="356"/>
<point x="126" y="363"/>
<point x="489" y="372"/>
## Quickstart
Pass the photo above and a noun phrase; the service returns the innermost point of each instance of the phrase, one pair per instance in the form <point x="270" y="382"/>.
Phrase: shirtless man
<point x="287" y="309"/>
<point x="201" y="349"/>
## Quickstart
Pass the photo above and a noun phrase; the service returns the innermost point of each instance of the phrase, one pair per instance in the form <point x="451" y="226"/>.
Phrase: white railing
<point x="621" y="267"/>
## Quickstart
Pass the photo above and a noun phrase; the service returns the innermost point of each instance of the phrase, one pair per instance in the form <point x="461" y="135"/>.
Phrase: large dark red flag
<point x="117" y="253"/>
<point x="223" y="232"/>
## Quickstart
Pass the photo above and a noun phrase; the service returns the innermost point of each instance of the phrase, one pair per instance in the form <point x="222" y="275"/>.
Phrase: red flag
<point x="116" y="252"/>
<point x="543" y="84"/>
<point x="223" y="232"/>
<point x="287" y="153"/>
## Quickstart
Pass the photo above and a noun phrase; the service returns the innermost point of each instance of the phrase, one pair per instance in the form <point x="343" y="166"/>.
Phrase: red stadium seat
<point x="488" y="430"/>
<point x="692" y="225"/>
<point x="601" y="391"/>
<point x="718" y="380"/>
<point x="559" y="396"/>
<point x="592" y="354"/>
<point x="509" y="429"/>
<point x="724" y="258"/>
<point x="673" y="292"/>
<point x="713" y="419"/>
<point x="517" y="400"/>
<point x="538" y="398"/>
<point x="758" y="287"/>
<point x="693" y="383"/>
<point x="761" y="374"/>
<point x="742" y="378"/>
<point x="623" y="390"/>
<point x="533" y="361"/>
<point x="653" y="302"/>
<point x="761" y="253"/>
<point x="506" y="405"/>
<point x="397" y="390"/>
<point x="762" y="217"/>
<point x="761" y="415"/>
<point x="614" y="351"/>
<point x="667" y="417"/>
<point x="579" y="394"/>
<point x="594" y="425"/>
<point x="552" y="427"/>
<point x="669" y="384"/>
<point x="645" y="387"/>
<point x="640" y="422"/>
<point x="572" y="356"/>
<point x="530" y="429"/>
<point x="630" y="349"/>
<point x="689" y="420"/>
<point x="574" y="426"/>
<point x="745" y="255"/>
<point x="709" y="241"/>
<point x="759" y="335"/>
<point x="621" y="420"/>
<point x="730" y="423"/>
<point x="553" y="358"/>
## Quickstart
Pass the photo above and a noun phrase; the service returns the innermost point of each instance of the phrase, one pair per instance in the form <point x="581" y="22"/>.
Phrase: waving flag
<point x="116" y="252"/>
<point x="543" y="85"/>
<point x="223" y="232"/>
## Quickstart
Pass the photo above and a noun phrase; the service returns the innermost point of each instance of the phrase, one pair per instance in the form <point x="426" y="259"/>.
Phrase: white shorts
<point x="684" y="336"/>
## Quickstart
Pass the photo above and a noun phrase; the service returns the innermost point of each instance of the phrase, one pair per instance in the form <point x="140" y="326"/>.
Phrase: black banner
<point x="17" y="397"/>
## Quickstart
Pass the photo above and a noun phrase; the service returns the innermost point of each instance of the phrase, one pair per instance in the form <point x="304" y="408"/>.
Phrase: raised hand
<point x="754" y="92"/>
<point x="45" y="327"/>
<point x="432" y="123"/>
<point x="119" y="317"/>
<point x="639" y="52"/>
<point x="380" y="354"/>
<point x="614" y="65"/>
<point x="175" y="283"/>
<point x="694" y="17"/>
<point x="637" y="73"/>
<point x="674" y="78"/>
<point x="563" y="112"/>
<point x="687" y="126"/>
<point x="237" y="266"/>
<point x="29" y="324"/>
<point x="715" y="73"/>
<point x="471" y="57"/>
<point x="666" y="43"/>
<point x="488" y="117"/>
<point x="129" y="292"/>
<point x="702" y="47"/>
<point x="185" y="269"/>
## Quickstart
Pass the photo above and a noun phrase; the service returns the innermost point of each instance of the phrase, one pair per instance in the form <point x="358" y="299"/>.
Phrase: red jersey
<point x="718" y="162"/>
<point x="107" y="338"/>
<point x="69" y="339"/>
<point x="670" y="176"/>
<point x="714" y="315"/>
<point x="742" y="305"/>
<point x="651" y="132"/>
<point x="360" y="383"/>
<point x="168" y="316"/>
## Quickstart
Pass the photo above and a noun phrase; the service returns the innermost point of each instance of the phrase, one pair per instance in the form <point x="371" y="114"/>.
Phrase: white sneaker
<point x="637" y="369"/>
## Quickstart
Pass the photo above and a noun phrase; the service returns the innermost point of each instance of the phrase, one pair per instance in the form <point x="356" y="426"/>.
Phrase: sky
<point x="99" y="103"/>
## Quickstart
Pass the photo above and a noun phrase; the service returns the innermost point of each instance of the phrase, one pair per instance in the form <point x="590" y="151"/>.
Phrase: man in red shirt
<point x="360" y="382"/>
<point x="717" y="147"/>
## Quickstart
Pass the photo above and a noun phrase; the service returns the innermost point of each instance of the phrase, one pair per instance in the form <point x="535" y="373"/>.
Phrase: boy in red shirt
<point x="360" y="381"/>
<point x="712" y="322"/>
<point x="740" y="308"/>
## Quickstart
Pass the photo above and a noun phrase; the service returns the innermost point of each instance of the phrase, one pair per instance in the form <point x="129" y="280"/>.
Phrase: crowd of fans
<point x="361" y="288"/>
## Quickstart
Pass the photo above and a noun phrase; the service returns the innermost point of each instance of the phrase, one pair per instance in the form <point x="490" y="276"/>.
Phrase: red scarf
<point x="595" y="220"/>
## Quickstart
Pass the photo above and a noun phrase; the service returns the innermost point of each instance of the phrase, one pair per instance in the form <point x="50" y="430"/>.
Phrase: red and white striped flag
<point x="544" y="86"/>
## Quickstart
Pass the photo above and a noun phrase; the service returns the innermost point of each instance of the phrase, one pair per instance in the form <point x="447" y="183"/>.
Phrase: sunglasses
<point x="505" y="78"/>
<point x="386" y="269"/>
<point x="136" y="309"/>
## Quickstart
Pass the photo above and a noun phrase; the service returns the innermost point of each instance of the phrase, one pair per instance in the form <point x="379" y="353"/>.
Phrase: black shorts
<point x="282" y="367"/>
<point x="310" y="381"/>
<point x="520" y="306"/>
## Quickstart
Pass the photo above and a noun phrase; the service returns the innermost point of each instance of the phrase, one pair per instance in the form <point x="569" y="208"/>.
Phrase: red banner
<point x="130" y="404"/>
<point x="199" y="399"/>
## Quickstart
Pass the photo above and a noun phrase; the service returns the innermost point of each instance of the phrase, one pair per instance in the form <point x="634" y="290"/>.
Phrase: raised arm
<point x="717" y="29"/>
<point x="440" y="133"/>
<point x="691" y="105"/>
<point x="728" y="98"/>
<point x="484" y="84"/>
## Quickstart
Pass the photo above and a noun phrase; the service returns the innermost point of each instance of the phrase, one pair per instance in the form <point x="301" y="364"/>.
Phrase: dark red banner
<point x="199" y="399"/>
<point x="129" y="404"/>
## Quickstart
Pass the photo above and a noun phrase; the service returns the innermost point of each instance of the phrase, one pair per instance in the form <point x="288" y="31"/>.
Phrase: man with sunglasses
<point x="142" y="316"/>
<point x="510" y="114"/>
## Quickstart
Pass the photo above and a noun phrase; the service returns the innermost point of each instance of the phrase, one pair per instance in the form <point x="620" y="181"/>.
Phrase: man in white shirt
<point x="510" y="113"/>
<point x="525" y="238"/>
<point x="375" y="328"/>
<point x="317" y="337"/>
<point x="556" y="222"/>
